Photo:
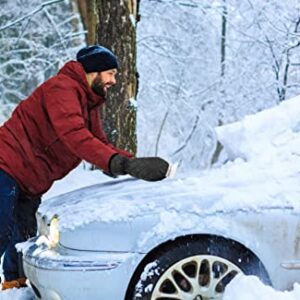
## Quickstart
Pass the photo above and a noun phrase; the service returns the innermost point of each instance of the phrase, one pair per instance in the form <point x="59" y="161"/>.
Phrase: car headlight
<point x="54" y="234"/>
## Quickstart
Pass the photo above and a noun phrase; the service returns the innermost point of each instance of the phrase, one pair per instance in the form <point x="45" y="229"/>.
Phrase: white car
<point x="183" y="238"/>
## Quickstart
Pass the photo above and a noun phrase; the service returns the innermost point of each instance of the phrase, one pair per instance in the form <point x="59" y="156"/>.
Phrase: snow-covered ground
<point x="275" y="132"/>
<point x="14" y="294"/>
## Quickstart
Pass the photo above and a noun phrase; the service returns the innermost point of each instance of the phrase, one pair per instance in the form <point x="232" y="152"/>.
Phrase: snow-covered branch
<point x="30" y="14"/>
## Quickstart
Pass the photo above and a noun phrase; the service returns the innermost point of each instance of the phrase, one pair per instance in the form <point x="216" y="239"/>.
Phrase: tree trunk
<point x="116" y="31"/>
<point x="87" y="9"/>
<point x="223" y="38"/>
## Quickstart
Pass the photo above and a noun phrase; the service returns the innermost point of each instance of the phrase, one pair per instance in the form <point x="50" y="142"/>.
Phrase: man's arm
<point x="65" y="114"/>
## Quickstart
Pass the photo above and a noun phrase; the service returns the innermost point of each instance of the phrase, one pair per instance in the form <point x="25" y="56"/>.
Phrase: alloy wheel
<point x="199" y="277"/>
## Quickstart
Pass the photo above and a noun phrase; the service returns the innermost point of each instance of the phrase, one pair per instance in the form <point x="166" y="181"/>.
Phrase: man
<point x="47" y="136"/>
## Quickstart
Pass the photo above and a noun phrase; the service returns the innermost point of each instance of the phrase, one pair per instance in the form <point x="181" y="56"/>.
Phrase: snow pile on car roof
<point x="264" y="136"/>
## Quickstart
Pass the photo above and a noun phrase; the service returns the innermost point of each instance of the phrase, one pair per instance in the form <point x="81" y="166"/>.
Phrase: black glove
<point x="146" y="168"/>
<point x="118" y="164"/>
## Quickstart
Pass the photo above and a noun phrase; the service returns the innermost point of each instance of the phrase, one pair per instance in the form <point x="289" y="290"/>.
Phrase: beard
<point x="98" y="87"/>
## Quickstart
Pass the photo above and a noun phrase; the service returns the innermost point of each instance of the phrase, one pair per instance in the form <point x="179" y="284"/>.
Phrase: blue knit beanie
<point x="96" y="59"/>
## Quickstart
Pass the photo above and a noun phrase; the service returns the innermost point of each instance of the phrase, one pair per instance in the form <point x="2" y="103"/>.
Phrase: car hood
<point x="208" y="192"/>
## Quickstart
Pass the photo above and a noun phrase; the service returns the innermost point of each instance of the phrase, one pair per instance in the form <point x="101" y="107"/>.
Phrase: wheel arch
<point x="150" y="256"/>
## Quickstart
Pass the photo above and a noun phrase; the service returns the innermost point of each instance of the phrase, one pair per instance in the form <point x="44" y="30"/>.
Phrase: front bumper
<point x="63" y="274"/>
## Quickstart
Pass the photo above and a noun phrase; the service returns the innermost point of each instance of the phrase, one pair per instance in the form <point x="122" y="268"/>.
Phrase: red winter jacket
<point x="51" y="131"/>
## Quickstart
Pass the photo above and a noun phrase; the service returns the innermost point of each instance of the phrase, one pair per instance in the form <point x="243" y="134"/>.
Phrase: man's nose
<point x="113" y="80"/>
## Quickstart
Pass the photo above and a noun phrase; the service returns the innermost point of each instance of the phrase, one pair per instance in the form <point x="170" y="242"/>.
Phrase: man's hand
<point x="146" y="168"/>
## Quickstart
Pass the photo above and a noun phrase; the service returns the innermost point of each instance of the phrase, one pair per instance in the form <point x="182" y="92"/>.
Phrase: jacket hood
<point x="74" y="70"/>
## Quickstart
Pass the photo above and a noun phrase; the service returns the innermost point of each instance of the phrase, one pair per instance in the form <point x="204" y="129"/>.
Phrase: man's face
<point x="103" y="81"/>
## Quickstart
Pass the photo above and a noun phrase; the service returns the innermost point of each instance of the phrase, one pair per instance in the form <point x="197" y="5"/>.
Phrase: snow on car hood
<point x="263" y="172"/>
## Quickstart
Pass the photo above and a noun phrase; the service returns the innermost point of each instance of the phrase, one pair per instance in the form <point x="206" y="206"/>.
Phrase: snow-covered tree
<point x="36" y="38"/>
<point x="205" y="63"/>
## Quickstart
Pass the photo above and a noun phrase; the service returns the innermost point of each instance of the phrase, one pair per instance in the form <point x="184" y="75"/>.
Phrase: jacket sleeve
<point x="99" y="133"/>
<point x="66" y="116"/>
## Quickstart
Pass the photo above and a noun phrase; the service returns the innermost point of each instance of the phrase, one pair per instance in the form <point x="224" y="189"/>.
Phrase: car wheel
<point x="194" y="269"/>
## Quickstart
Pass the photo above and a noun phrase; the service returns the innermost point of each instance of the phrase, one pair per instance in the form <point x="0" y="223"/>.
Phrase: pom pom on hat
<point x="96" y="59"/>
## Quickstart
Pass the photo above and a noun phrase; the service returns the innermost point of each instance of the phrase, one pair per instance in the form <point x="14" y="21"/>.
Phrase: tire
<point x="193" y="268"/>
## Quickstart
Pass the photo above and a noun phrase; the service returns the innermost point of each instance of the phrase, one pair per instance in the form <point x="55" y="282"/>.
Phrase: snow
<point x="149" y="271"/>
<point x="15" y="294"/>
<point x="266" y="144"/>
<point x="251" y="288"/>
<point x="178" y="59"/>
<point x="275" y="131"/>
<point x="79" y="177"/>
<point x="265" y="135"/>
